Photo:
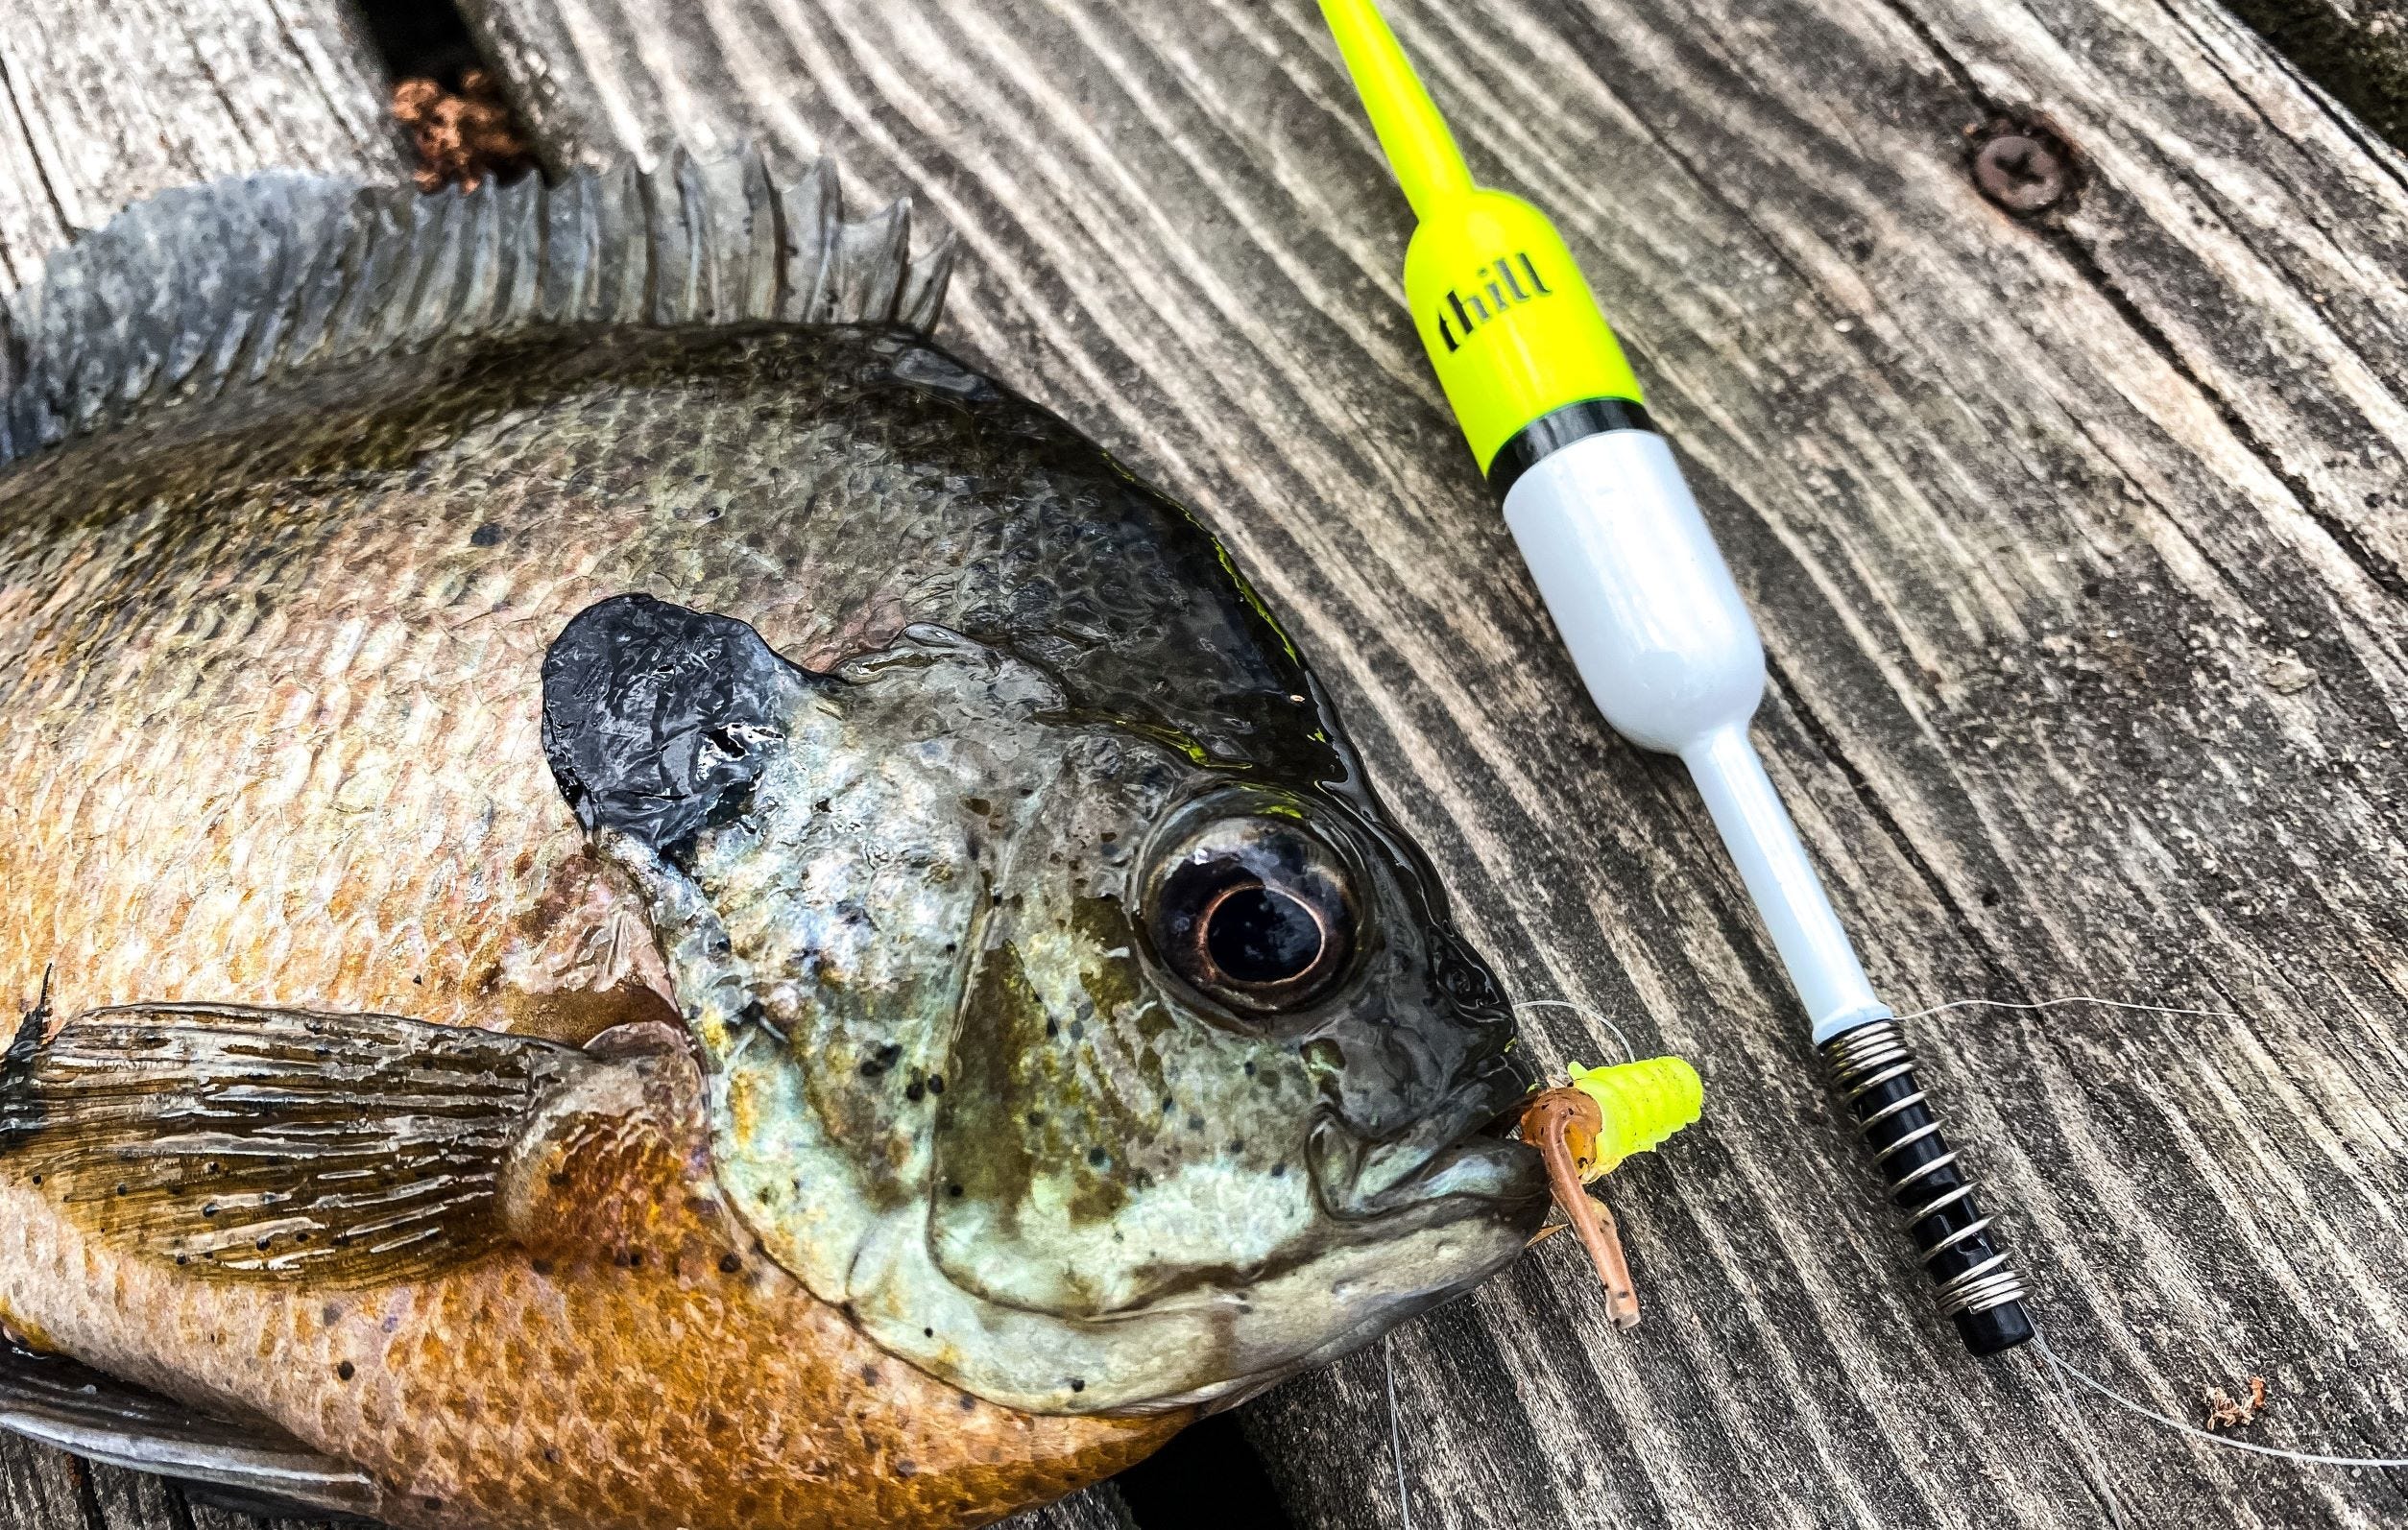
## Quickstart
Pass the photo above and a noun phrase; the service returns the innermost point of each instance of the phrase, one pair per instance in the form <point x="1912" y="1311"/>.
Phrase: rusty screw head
<point x="2022" y="172"/>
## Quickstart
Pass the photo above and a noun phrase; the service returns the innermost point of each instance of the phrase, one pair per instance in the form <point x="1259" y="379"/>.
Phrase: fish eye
<point x="1254" y="911"/>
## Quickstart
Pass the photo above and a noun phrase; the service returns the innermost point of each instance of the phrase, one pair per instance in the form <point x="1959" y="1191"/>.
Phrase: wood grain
<point x="103" y="104"/>
<point x="2077" y="547"/>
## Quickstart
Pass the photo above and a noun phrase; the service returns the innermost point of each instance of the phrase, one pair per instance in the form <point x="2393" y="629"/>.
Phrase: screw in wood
<point x="2023" y="172"/>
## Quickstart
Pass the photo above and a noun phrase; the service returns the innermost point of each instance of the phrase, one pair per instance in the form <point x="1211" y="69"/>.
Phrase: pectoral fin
<point x="279" y="1144"/>
<point x="61" y="1403"/>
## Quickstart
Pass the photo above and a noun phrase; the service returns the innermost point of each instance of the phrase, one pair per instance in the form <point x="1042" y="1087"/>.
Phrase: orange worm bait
<point x="1584" y="1129"/>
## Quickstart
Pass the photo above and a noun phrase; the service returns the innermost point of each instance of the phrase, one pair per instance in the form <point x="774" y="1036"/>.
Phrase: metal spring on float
<point x="1864" y="1059"/>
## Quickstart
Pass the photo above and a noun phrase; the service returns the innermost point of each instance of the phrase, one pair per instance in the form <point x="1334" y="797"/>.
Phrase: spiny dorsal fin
<point x="205" y="286"/>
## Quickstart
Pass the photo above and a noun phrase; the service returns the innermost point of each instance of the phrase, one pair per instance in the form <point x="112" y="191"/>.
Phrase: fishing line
<point x="2070" y="998"/>
<point x="2086" y="1439"/>
<point x="2063" y="1370"/>
<point x="1629" y="1053"/>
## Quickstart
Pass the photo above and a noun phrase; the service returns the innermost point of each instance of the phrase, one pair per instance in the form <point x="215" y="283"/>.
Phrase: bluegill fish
<point x="656" y="903"/>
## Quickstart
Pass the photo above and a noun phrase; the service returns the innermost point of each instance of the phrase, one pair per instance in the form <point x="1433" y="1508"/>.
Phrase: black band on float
<point x="1550" y="432"/>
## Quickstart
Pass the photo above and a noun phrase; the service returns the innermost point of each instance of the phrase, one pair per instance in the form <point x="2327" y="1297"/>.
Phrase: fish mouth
<point x="1455" y="1161"/>
<point x="1426" y="1216"/>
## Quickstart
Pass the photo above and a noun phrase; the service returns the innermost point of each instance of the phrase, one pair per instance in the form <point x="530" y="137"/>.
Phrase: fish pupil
<point x="1261" y="935"/>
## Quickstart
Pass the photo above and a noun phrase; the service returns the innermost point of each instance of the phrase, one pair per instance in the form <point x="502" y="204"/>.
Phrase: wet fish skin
<point x="273" y="676"/>
<point x="634" y="1362"/>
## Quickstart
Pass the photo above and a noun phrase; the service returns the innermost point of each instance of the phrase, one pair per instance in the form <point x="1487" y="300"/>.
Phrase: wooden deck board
<point x="2077" y="552"/>
<point x="2079" y="547"/>
<point x="102" y="105"/>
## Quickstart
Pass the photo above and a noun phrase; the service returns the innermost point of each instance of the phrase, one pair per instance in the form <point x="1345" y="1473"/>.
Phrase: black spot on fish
<point x="953" y="1190"/>
<point x="346" y="1370"/>
<point x="731" y="1264"/>
<point x="654" y="717"/>
<point x="1098" y="1157"/>
<point x="936" y="1084"/>
<point x="486" y="536"/>
<point x="879" y="1061"/>
<point x="915" y="1090"/>
<point x="1079" y="1383"/>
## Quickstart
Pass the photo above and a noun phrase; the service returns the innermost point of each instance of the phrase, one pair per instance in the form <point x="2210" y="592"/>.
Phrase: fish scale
<point x="598" y="618"/>
<point x="274" y="737"/>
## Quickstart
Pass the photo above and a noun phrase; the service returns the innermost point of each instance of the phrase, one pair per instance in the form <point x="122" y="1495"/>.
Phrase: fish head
<point x="1084" y="1070"/>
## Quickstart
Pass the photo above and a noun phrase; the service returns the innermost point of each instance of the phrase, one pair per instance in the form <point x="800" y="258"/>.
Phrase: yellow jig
<point x="1585" y="1129"/>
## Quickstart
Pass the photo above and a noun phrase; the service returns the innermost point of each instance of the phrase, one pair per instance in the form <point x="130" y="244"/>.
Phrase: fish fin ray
<point x="202" y="286"/>
<point x="281" y="1145"/>
<point x="59" y="1403"/>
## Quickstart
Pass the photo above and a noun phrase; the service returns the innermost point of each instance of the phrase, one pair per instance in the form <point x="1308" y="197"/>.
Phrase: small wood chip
<point x="2224" y="1413"/>
<point x="461" y="136"/>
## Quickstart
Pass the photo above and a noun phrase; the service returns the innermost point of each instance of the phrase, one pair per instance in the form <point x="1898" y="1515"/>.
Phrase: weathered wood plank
<point x="1098" y="1508"/>
<point x="101" y="104"/>
<point x="2077" y="547"/>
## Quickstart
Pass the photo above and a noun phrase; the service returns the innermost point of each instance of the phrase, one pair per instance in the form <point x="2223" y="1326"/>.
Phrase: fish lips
<point x="1429" y="1214"/>
<point x="1448" y="1166"/>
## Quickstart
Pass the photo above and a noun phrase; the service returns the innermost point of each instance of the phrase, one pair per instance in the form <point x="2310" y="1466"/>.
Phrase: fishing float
<point x="1654" y="623"/>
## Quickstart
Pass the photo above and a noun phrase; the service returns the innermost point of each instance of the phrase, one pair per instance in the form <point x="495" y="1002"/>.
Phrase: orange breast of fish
<point x="632" y="1360"/>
